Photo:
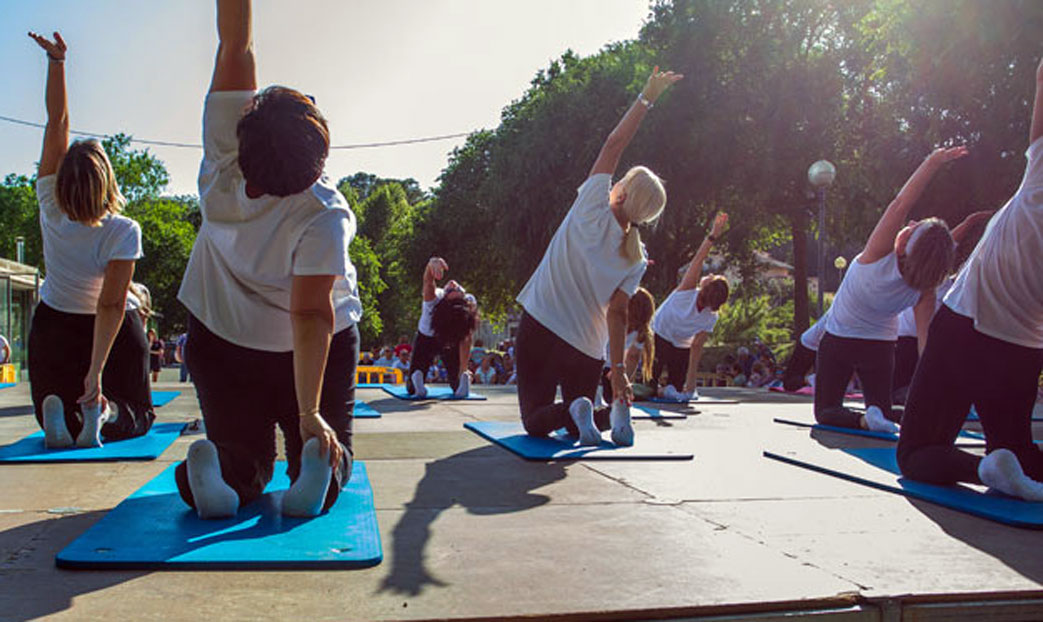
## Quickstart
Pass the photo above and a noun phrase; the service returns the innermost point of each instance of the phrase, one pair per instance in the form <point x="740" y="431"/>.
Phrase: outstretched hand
<point x="719" y="223"/>
<point x="438" y="267"/>
<point x="55" y="49"/>
<point x="658" y="82"/>
<point x="942" y="155"/>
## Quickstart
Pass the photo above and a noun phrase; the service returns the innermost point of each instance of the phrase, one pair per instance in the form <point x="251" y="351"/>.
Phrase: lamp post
<point x="19" y="244"/>
<point x="821" y="175"/>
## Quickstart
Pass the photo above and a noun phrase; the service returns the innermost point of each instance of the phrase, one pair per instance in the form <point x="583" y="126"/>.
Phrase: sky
<point x="380" y="70"/>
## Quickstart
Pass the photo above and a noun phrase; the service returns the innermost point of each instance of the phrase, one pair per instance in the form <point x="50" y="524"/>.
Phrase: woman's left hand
<point x="621" y="388"/>
<point x="91" y="390"/>
<point x="314" y="426"/>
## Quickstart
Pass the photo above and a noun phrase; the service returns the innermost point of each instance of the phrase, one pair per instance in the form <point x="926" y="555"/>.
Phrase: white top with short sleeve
<point x="907" y="318"/>
<point x="581" y="269"/>
<point x="427" y="311"/>
<point x="628" y="342"/>
<point x="679" y="319"/>
<point x="869" y="300"/>
<point x="76" y="254"/>
<point x="812" y="337"/>
<point x="247" y="252"/>
<point x="1001" y="285"/>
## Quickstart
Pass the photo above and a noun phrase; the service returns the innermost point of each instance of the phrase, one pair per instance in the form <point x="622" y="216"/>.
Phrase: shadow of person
<point x="32" y="586"/>
<point x="486" y="481"/>
<point x="16" y="411"/>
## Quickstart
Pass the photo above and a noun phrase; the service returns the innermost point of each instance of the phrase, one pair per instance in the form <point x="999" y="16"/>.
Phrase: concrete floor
<point x="473" y="532"/>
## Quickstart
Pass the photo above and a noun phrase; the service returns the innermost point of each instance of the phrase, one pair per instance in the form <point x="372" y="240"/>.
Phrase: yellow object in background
<point x="7" y="373"/>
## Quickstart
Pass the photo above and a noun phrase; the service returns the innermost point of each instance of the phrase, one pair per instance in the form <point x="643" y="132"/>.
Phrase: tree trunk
<point x="799" y="231"/>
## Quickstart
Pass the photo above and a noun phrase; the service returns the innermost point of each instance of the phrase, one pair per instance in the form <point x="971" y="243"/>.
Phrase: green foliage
<point x="371" y="286"/>
<point x="167" y="235"/>
<point x="140" y="174"/>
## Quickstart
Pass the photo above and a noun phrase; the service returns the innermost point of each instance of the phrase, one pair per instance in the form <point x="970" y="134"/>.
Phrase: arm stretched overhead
<point x="234" y="68"/>
<point x="695" y="269"/>
<point x="56" y="133"/>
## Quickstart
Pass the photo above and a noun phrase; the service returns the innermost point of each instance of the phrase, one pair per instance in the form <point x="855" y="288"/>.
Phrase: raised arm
<point x="617" y="141"/>
<point x="435" y="270"/>
<point x="312" y="319"/>
<point x="882" y="240"/>
<point x="1037" y="107"/>
<point x="695" y="269"/>
<point x="56" y="133"/>
<point x="234" y="68"/>
<point x="969" y="222"/>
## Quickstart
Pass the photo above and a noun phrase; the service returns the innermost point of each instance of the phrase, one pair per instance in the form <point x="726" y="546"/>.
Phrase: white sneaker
<point x="419" y="390"/>
<point x="672" y="394"/>
<point x="582" y="411"/>
<point x="1002" y="471"/>
<point x="876" y="421"/>
<point x="93" y="418"/>
<point x="464" y="388"/>
<point x="622" y="428"/>
<point x="55" y="433"/>
<point x="599" y="398"/>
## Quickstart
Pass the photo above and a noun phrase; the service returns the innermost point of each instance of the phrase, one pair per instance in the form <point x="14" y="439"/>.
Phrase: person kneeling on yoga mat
<point x="638" y="349"/>
<point x="448" y="319"/>
<point x="898" y="268"/>
<point x="272" y="331"/>
<point x="577" y="298"/>
<point x="685" y="321"/>
<point x="88" y="356"/>
<point x="985" y="349"/>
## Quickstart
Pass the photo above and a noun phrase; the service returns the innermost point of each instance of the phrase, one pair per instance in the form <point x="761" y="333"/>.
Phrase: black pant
<point x="60" y="354"/>
<point x="907" y="353"/>
<point x="961" y="367"/>
<point x="544" y="361"/>
<point x="800" y="363"/>
<point x="674" y="359"/>
<point x="838" y="359"/>
<point x="244" y="393"/>
<point x="425" y="349"/>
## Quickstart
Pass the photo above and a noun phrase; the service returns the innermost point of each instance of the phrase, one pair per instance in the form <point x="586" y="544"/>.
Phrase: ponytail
<point x="640" y="311"/>
<point x="645" y="200"/>
<point x="630" y="247"/>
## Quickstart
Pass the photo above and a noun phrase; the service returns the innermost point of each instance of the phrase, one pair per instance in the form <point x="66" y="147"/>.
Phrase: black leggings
<point x="244" y="393"/>
<point x="907" y="353"/>
<point x="838" y="359"/>
<point x="961" y="367"/>
<point x="544" y="361"/>
<point x="674" y="359"/>
<point x="800" y="363"/>
<point x="60" y="354"/>
<point x="425" y="349"/>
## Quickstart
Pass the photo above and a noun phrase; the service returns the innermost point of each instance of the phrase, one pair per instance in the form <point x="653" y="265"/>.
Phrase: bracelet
<point x="55" y="59"/>
<point x="644" y="100"/>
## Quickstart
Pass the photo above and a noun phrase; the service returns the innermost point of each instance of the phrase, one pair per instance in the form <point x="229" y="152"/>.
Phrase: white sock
<point x="582" y="411"/>
<point x="622" y="429"/>
<point x="214" y="498"/>
<point x="464" y="388"/>
<point x="305" y="496"/>
<point x="877" y="422"/>
<point x="55" y="433"/>
<point x="1002" y="471"/>
<point x="670" y="393"/>
<point x="93" y="418"/>
<point x="419" y="390"/>
<point x="599" y="398"/>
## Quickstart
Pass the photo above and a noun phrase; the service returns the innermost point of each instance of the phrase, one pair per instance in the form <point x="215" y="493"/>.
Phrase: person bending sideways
<point x="271" y="292"/>
<point x="88" y="355"/>
<point x="448" y="318"/>
<point x="576" y="300"/>
<point x="985" y="348"/>
<point x="685" y="321"/>
<point x="899" y="267"/>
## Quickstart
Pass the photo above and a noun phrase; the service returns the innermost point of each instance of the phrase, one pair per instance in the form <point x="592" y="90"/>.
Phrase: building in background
<point x="19" y="291"/>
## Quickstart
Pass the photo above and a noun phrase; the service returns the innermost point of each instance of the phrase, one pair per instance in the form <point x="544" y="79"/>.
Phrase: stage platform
<point x="471" y="531"/>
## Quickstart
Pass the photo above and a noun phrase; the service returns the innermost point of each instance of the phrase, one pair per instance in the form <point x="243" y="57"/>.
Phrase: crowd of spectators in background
<point x="487" y="365"/>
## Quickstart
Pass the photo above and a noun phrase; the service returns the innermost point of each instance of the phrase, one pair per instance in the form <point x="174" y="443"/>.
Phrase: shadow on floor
<point x="485" y="481"/>
<point x="16" y="411"/>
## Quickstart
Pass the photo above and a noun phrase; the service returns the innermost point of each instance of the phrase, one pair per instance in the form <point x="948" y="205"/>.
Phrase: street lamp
<point x="19" y="244"/>
<point x="821" y="175"/>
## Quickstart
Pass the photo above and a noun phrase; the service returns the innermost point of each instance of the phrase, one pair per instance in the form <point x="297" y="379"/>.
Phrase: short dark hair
<point x="452" y="320"/>
<point x="283" y="142"/>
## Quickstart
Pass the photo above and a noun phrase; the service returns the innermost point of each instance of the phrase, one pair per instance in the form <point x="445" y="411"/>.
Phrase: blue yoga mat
<point x="512" y="437"/>
<point x="365" y="411"/>
<point x="6" y="385"/>
<point x="162" y="398"/>
<point x="154" y="529"/>
<point x="433" y="393"/>
<point x="991" y="505"/>
<point x="973" y="416"/>
<point x="883" y="436"/>
<point x="648" y="412"/>
<point x="369" y="385"/>
<point x="702" y="399"/>
<point x="147" y="447"/>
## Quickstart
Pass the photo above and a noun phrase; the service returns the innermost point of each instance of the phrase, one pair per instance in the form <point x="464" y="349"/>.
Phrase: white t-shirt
<point x="812" y="337"/>
<point x="247" y="252"/>
<point x="1001" y="285"/>
<point x="581" y="269"/>
<point x="679" y="320"/>
<point x="77" y="254"/>
<point x="427" y="310"/>
<point x="628" y="342"/>
<point x="869" y="300"/>
<point x="907" y="318"/>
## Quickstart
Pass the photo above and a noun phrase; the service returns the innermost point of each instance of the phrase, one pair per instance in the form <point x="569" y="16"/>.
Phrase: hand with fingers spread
<point x="942" y="155"/>
<point x="658" y="82"/>
<point x="314" y="426"/>
<point x="55" y="49"/>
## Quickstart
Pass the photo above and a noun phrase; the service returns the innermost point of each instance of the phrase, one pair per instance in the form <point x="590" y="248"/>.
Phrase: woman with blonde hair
<point x="88" y="355"/>
<point x="577" y="298"/>
<point x="685" y="321"/>
<point x="900" y="266"/>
